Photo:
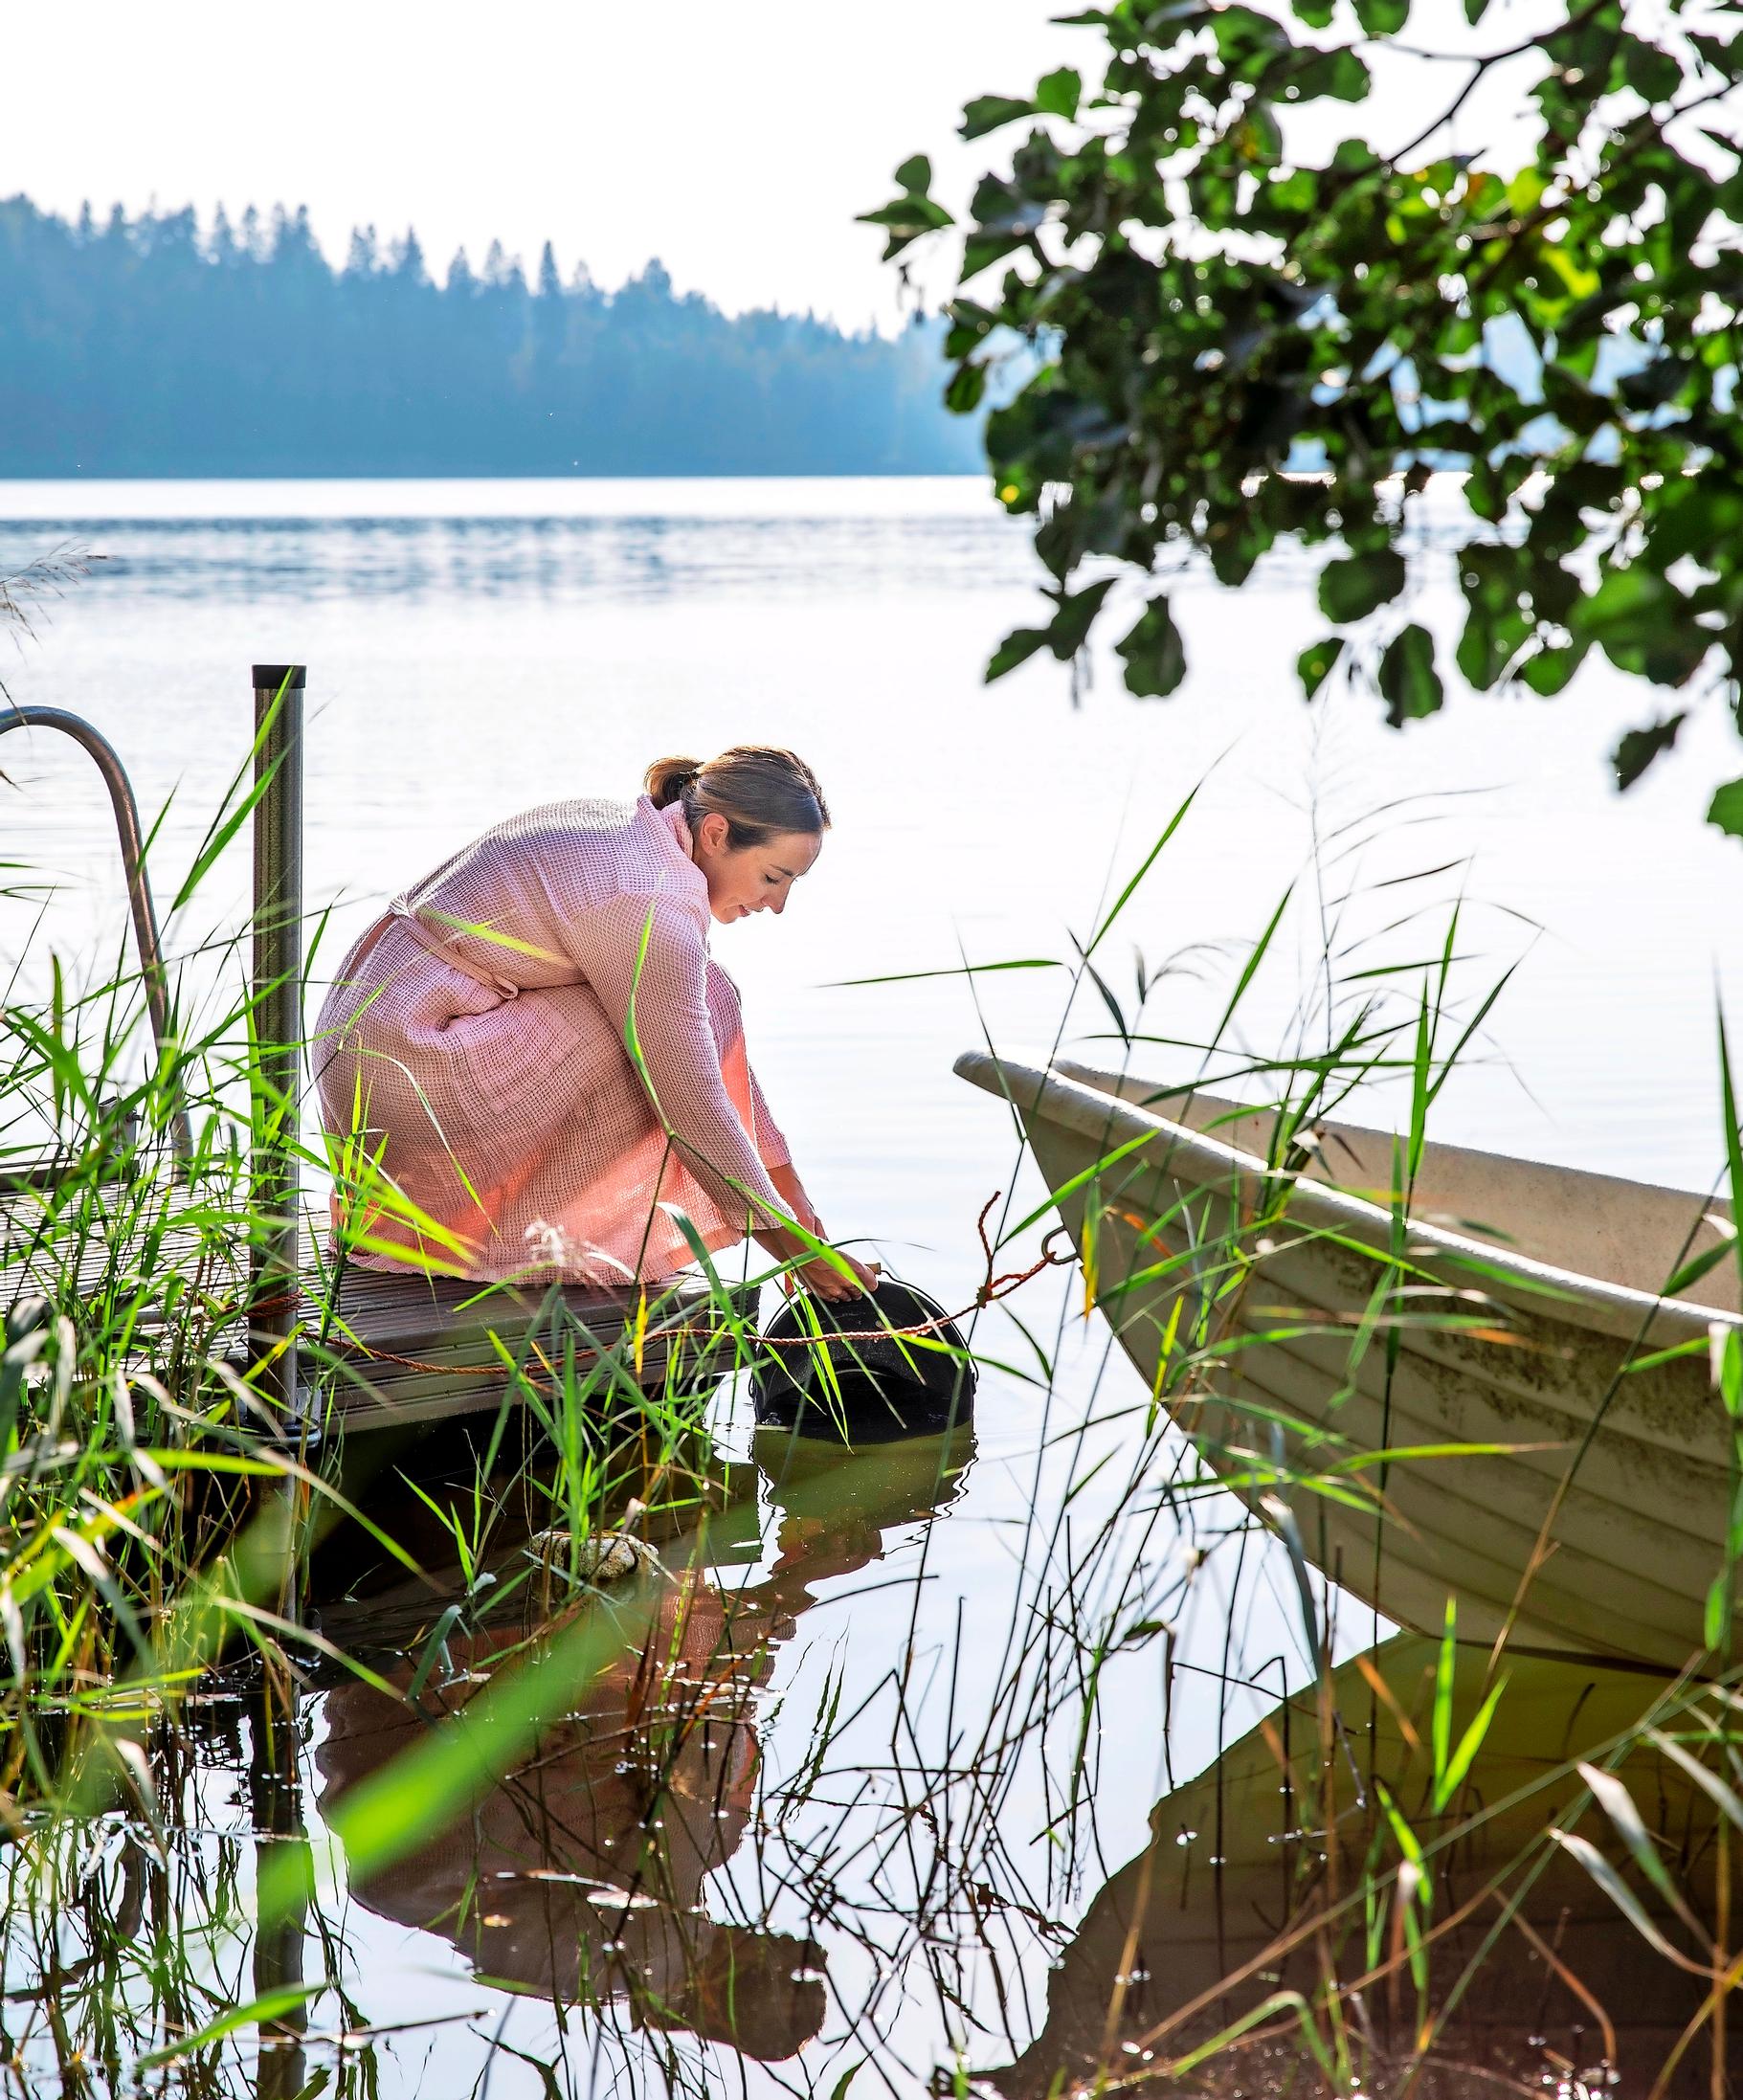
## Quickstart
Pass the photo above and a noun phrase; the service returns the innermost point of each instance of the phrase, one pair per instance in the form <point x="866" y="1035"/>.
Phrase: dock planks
<point x="378" y="1349"/>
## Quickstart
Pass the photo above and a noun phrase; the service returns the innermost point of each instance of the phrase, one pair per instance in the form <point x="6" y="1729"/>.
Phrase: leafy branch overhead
<point x="1226" y="338"/>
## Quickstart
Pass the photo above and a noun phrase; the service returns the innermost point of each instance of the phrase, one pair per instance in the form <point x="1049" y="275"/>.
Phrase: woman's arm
<point x="777" y="1156"/>
<point x="821" y="1276"/>
<point x="668" y="1008"/>
<point x="770" y="1143"/>
<point x="791" y="1191"/>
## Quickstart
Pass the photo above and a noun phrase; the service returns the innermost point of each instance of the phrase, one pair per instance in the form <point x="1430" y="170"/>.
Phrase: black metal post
<point x="277" y="1010"/>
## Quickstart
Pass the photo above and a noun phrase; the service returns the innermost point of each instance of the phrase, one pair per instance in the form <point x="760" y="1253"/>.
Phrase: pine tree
<point x="406" y="259"/>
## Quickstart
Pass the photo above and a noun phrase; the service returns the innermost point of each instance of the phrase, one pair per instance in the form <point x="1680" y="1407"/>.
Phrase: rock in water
<point x="602" y="1558"/>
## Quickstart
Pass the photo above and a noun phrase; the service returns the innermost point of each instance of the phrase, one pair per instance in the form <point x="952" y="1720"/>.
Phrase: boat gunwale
<point x="1547" y="1292"/>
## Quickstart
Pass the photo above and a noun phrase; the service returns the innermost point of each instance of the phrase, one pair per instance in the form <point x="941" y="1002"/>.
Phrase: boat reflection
<point x="581" y="1874"/>
<point x="1523" y="1968"/>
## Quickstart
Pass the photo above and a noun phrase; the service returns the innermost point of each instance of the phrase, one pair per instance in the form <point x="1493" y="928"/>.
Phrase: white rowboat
<point x="1301" y="1314"/>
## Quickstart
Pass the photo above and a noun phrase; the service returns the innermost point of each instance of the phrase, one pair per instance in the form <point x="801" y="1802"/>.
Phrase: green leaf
<point x="1017" y="647"/>
<point x="1316" y="663"/>
<point x="1339" y="74"/>
<point x="1733" y="1156"/>
<point x="1071" y="623"/>
<point x="963" y="970"/>
<point x="1640" y="747"/>
<point x="1409" y="1845"/>
<point x="259" y="2012"/>
<point x="970" y="325"/>
<point x="909" y="215"/>
<point x="1545" y="671"/>
<point x="906" y="220"/>
<point x="981" y="251"/>
<point x="225" y="829"/>
<point x="968" y="384"/>
<point x="1710" y="1782"/>
<point x="987" y="112"/>
<point x="1278" y="2001"/>
<point x="1259" y="136"/>
<point x="1692" y="518"/>
<point x="915" y="175"/>
<point x="1728" y="1366"/>
<point x="1614" y="1888"/>
<point x="1691" y="1271"/>
<point x="1155" y="657"/>
<point x="1058" y="94"/>
<point x="1452" y="1775"/>
<point x="1149" y="861"/>
<point x="1643" y="624"/>
<point x="1628" y="606"/>
<point x="1619" y="1805"/>
<point x="1164" y="388"/>
<point x="1409" y="683"/>
<point x="1446" y="1662"/>
<point x="1350" y="590"/>
<point x="1243" y="34"/>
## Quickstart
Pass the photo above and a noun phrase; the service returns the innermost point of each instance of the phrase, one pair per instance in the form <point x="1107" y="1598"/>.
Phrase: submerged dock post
<point x="277" y="1010"/>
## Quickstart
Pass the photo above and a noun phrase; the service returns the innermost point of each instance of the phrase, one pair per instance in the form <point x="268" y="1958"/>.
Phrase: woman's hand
<point x="826" y="1280"/>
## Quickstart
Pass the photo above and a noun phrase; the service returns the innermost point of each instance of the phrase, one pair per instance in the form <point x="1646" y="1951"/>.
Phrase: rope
<point x="988" y="1293"/>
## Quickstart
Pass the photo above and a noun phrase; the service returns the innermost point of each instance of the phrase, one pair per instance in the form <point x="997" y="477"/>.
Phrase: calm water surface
<point x="477" y="647"/>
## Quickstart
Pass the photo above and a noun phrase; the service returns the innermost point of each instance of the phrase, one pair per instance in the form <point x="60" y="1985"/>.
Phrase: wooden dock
<point x="376" y="1349"/>
<point x="175" y="1272"/>
<point x="411" y="1350"/>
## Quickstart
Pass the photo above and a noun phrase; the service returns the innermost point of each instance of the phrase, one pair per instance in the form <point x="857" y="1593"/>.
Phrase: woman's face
<point x="753" y="878"/>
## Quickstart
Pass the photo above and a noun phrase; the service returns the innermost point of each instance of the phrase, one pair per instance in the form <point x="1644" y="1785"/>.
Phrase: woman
<point x="536" y="1051"/>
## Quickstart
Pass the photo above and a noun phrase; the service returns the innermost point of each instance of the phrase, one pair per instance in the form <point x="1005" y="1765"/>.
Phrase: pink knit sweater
<point x="475" y="1036"/>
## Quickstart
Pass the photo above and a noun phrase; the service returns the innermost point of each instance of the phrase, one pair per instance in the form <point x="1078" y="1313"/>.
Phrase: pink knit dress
<point x="475" y="1037"/>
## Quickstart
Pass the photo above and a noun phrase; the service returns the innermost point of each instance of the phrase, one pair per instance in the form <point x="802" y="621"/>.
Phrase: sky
<point x="734" y="142"/>
<point x="734" y="139"/>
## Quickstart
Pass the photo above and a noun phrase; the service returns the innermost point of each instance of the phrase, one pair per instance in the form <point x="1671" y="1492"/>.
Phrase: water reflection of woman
<point x="580" y="1876"/>
<point x="475" y="1037"/>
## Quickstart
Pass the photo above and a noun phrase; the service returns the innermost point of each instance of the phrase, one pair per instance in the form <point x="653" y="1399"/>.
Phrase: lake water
<point x="477" y="647"/>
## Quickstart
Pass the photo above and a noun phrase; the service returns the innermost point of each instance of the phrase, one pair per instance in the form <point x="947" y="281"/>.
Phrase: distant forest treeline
<point x="147" y="347"/>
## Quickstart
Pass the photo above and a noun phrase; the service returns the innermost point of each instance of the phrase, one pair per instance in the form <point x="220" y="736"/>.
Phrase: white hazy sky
<point x="735" y="139"/>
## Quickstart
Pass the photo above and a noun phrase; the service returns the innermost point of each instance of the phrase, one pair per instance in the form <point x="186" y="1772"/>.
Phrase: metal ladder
<point x="139" y="885"/>
<point x="276" y="988"/>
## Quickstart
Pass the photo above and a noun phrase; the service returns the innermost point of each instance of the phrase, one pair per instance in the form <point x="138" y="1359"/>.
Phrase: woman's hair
<point x="760" y="790"/>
